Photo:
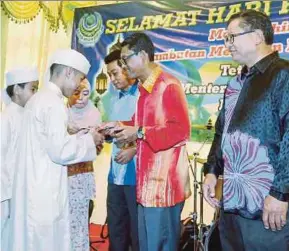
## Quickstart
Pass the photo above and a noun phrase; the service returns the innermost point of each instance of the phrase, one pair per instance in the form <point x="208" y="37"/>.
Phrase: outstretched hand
<point x="125" y="134"/>
<point x="98" y="138"/>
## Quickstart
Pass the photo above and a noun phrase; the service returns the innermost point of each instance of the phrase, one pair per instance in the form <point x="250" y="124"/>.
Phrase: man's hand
<point x="274" y="213"/>
<point x="107" y="129"/>
<point x="209" y="190"/>
<point x="108" y="126"/>
<point x="125" y="134"/>
<point x="99" y="149"/>
<point x="72" y="129"/>
<point x="125" y="155"/>
<point x="98" y="138"/>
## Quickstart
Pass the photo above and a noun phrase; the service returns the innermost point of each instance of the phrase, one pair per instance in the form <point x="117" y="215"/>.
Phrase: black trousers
<point x="122" y="218"/>
<point x="241" y="234"/>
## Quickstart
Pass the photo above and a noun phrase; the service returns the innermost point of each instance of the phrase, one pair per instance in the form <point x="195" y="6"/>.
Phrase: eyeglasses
<point x="230" y="38"/>
<point x="124" y="60"/>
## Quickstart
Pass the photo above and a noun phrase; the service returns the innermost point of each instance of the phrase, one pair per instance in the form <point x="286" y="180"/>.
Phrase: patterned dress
<point x="81" y="190"/>
<point x="81" y="182"/>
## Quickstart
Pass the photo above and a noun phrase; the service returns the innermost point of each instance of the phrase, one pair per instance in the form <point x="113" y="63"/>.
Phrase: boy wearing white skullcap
<point x="40" y="208"/>
<point x="21" y="84"/>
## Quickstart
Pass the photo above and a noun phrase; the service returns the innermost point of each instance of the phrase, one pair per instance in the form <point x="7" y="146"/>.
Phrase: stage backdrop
<point x="188" y="38"/>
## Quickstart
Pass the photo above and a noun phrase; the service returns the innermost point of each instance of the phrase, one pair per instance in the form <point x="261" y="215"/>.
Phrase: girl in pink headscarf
<point x="82" y="115"/>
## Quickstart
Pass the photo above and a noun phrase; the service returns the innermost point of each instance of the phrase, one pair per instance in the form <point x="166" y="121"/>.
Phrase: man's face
<point x="133" y="62"/>
<point x="72" y="80"/>
<point x="80" y="97"/>
<point x="242" y="47"/>
<point x="27" y="92"/>
<point x="118" y="76"/>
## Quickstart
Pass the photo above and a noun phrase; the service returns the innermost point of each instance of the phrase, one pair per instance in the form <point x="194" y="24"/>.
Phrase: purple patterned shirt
<point x="251" y="144"/>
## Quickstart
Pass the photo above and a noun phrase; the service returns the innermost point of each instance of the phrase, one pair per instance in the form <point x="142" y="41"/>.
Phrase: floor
<point x="95" y="233"/>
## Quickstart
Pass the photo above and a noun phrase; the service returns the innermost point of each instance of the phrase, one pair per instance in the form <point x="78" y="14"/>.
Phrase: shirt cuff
<point x="210" y="169"/>
<point x="279" y="196"/>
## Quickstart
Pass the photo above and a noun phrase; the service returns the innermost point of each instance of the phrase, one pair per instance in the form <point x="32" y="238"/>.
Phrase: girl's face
<point x="80" y="97"/>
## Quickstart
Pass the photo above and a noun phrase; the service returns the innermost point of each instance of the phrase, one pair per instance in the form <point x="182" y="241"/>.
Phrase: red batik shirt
<point x="162" y="164"/>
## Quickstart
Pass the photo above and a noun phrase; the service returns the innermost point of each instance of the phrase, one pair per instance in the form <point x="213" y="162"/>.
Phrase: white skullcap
<point x="21" y="75"/>
<point x="68" y="57"/>
<point x="18" y="76"/>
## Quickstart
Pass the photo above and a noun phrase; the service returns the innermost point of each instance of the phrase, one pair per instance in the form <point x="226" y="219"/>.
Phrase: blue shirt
<point x="122" y="107"/>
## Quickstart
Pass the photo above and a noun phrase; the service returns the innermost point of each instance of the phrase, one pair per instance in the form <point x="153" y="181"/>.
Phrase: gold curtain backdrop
<point x="31" y="30"/>
<point x="55" y="12"/>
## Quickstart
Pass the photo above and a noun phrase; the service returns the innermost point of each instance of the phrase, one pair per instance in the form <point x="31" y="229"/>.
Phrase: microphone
<point x="209" y="125"/>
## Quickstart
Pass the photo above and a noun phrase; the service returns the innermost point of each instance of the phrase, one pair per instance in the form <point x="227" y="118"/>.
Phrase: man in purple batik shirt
<point x="251" y="144"/>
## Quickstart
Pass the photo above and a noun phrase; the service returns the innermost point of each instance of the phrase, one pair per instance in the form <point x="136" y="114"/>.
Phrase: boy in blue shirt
<point x="121" y="194"/>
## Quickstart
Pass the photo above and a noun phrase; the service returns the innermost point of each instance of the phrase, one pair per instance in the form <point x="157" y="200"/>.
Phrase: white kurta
<point x="10" y="129"/>
<point x="40" y="208"/>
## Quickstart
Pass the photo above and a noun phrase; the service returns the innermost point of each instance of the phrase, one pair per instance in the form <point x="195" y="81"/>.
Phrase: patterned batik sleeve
<point x="214" y="163"/>
<point x="280" y="188"/>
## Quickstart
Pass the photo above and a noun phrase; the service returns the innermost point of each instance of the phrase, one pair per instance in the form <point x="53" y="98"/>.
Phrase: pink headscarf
<point x="89" y="116"/>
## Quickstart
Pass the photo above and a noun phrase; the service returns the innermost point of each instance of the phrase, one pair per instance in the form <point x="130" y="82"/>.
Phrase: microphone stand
<point x="203" y="227"/>
<point x="198" y="235"/>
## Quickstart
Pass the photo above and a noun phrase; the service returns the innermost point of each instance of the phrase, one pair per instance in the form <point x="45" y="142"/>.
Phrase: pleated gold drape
<point x="29" y="44"/>
<point x="32" y="30"/>
<point x="56" y="13"/>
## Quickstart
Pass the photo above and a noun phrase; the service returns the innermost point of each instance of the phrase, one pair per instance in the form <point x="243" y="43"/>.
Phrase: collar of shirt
<point x="150" y="81"/>
<point x="260" y="66"/>
<point x="265" y="62"/>
<point x="131" y="91"/>
<point x="53" y="87"/>
<point x="15" y="106"/>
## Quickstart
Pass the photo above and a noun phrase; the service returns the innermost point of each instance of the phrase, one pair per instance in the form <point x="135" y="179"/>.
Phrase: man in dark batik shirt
<point x="251" y="144"/>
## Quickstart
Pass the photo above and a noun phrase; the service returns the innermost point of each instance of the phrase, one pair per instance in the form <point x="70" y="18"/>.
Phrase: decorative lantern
<point x="101" y="83"/>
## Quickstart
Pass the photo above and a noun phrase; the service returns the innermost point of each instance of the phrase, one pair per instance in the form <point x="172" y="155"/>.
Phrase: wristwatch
<point x="140" y="133"/>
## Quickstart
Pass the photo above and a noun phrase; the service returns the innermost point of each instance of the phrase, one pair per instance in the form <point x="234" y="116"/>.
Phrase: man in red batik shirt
<point x="161" y="128"/>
